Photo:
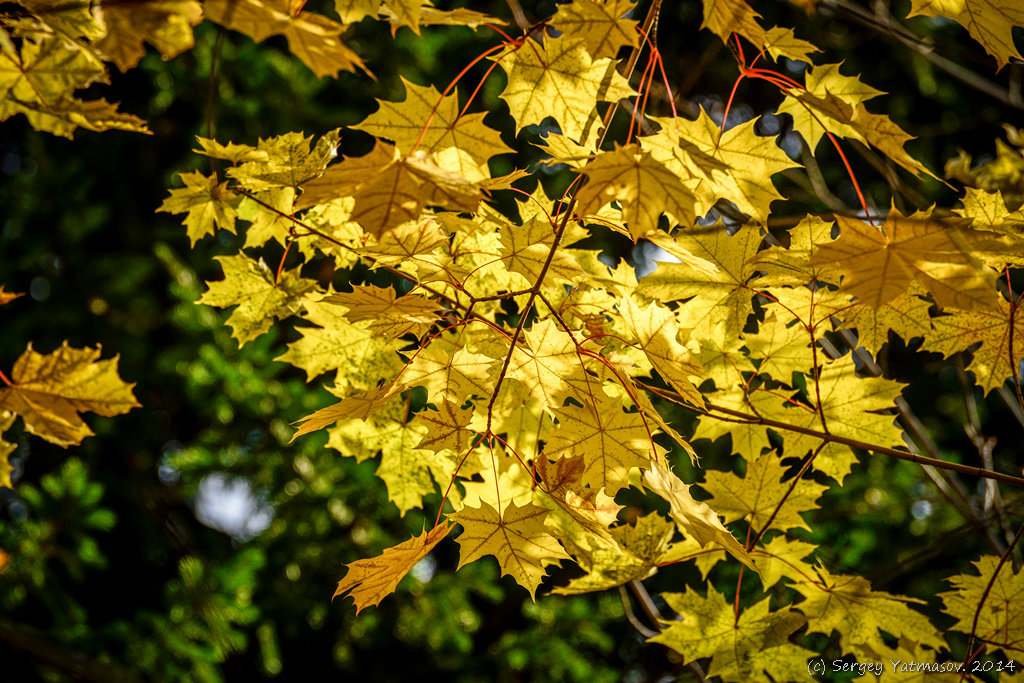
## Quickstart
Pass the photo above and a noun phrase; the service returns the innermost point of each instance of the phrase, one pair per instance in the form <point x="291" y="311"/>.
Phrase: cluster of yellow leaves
<point x="513" y="374"/>
<point x="49" y="391"/>
<point x="50" y="50"/>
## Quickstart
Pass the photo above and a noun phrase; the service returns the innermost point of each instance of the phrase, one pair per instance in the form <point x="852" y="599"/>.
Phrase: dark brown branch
<point x="75" y="664"/>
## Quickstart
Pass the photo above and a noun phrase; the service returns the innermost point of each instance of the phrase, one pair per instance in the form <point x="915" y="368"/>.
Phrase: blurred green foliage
<point x="107" y="574"/>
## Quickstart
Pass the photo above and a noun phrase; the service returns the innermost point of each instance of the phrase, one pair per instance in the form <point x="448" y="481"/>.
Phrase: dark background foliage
<point x="107" y="571"/>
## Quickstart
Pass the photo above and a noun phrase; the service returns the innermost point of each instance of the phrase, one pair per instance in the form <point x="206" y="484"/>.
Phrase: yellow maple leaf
<point x="389" y="316"/>
<point x="283" y="161"/>
<point x="207" y="205"/>
<point x="749" y="648"/>
<point x="561" y="489"/>
<point x="408" y="471"/>
<point x="432" y="121"/>
<point x="610" y="440"/>
<point x="830" y="602"/>
<point x="525" y="249"/>
<point x="337" y="344"/>
<point x="449" y="374"/>
<point x="313" y="38"/>
<point x="559" y="79"/>
<point x="695" y="519"/>
<point x="370" y="580"/>
<point x="781" y="557"/>
<point x="352" y="11"/>
<point x="880" y="263"/>
<point x="992" y="363"/>
<point x="657" y="333"/>
<point x="717" y="282"/>
<point x="989" y="22"/>
<point x="905" y="316"/>
<point x="601" y="24"/>
<point x="164" y="24"/>
<point x="549" y="367"/>
<point x="516" y="536"/>
<point x="260" y="297"/>
<point x="725" y="17"/>
<point x="446" y="428"/>
<point x="644" y="187"/>
<point x="49" y="391"/>
<point x="994" y="600"/>
<point x="758" y="494"/>
<point x="357" y="406"/>
<point x="6" y="448"/>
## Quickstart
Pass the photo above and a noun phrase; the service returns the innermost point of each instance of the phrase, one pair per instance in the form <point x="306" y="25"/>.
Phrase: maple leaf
<point x="633" y="555"/>
<point x="657" y="333"/>
<point x="716" y="280"/>
<point x="408" y="471"/>
<point x="736" y="165"/>
<point x="361" y="405"/>
<point x="905" y="316"/>
<point x="164" y="24"/>
<point x="284" y="161"/>
<point x="848" y="605"/>
<point x="49" y="391"/>
<point x="748" y="648"/>
<point x="516" y="537"/>
<point x="313" y="38"/>
<point x="446" y="428"/>
<point x="725" y="17"/>
<point x="989" y="22"/>
<point x="880" y="263"/>
<point x="446" y="374"/>
<point x="601" y="25"/>
<point x="758" y="494"/>
<point x="260" y="297"/>
<point x="559" y="79"/>
<point x="992" y="363"/>
<point x="338" y="344"/>
<point x="644" y="187"/>
<point x="525" y="249"/>
<point x="994" y="600"/>
<point x="351" y="11"/>
<point x="695" y="519"/>
<point x="6" y="448"/>
<point x="780" y="348"/>
<point x="781" y="557"/>
<point x="389" y="316"/>
<point x="550" y="367"/>
<point x="427" y="121"/>
<point x="561" y="489"/>
<point x="610" y="440"/>
<point x="207" y="205"/>
<point x="370" y="580"/>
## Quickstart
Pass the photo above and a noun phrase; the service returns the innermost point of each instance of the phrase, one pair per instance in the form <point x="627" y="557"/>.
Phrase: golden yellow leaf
<point x="6" y="448"/>
<point x="991" y="362"/>
<point x="610" y="440"/>
<point x="49" y="391"/>
<point x="905" y="316"/>
<point x="780" y="348"/>
<point x="284" y="161"/>
<point x="695" y="519"/>
<point x="446" y="374"/>
<point x="459" y="16"/>
<point x="657" y="333"/>
<point x="525" y="249"/>
<point x="432" y="121"/>
<point x="446" y="428"/>
<point x="832" y="600"/>
<point x="719" y="293"/>
<point x="749" y="648"/>
<point x="351" y="11"/>
<point x="313" y="38"/>
<point x="995" y="600"/>
<point x="601" y="24"/>
<point x="260" y="297"/>
<point x="561" y="488"/>
<point x="781" y="557"/>
<point x="164" y="24"/>
<point x="549" y="367"/>
<point x="337" y="344"/>
<point x="357" y="406"/>
<point x="780" y="42"/>
<point x="757" y="496"/>
<point x="880" y="263"/>
<point x="516" y="536"/>
<point x="990" y="22"/>
<point x="644" y="187"/>
<point x="207" y="205"/>
<point x="725" y="17"/>
<point x="559" y="79"/>
<point x="369" y="581"/>
<point x="389" y="316"/>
